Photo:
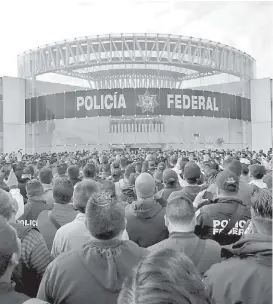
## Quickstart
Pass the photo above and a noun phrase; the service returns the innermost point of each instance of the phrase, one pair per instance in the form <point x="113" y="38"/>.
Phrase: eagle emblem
<point x="147" y="102"/>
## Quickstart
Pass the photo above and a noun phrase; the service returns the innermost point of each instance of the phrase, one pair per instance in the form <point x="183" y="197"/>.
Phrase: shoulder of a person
<point x="35" y="301"/>
<point x="213" y="246"/>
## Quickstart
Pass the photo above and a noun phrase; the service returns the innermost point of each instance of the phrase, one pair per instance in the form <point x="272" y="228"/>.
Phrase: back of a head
<point x="89" y="171"/>
<point x="62" y="190"/>
<point x="45" y="176"/>
<point x="73" y="172"/>
<point x="145" y="186"/>
<point x="245" y="169"/>
<point x="7" y="205"/>
<point x="82" y="193"/>
<point x="170" y="177"/>
<point x="191" y="172"/>
<point x="105" y="217"/>
<point x="262" y="204"/>
<point x="232" y="164"/>
<point x="61" y="169"/>
<point x="228" y="183"/>
<point x="164" y="276"/>
<point x="257" y="171"/>
<point x="123" y="163"/>
<point x="8" y="245"/>
<point x="180" y="210"/>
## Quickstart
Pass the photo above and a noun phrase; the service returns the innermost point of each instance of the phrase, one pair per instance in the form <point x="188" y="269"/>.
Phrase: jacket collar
<point x="146" y="208"/>
<point x="176" y="234"/>
<point x="251" y="245"/>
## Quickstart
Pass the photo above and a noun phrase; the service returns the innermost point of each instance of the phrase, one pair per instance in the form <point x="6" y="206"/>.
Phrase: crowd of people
<point x="136" y="227"/>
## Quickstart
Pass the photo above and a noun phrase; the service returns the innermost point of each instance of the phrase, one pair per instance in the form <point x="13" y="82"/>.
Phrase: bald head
<point x="145" y="186"/>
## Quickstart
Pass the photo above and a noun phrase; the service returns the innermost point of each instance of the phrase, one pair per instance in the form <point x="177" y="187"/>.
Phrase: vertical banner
<point x="69" y="99"/>
<point x="41" y="108"/>
<point x="217" y="102"/>
<point x="27" y="110"/>
<point x="50" y="107"/>
<point x="233" y="114"/>
<point x="59" y="110"/>
<point x="238" y="107"/>
<point x="225" y="106"/>
<point x="33" y="115"/>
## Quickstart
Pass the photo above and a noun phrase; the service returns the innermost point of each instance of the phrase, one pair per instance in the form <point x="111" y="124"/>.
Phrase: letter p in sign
<point x="80" y="102"/>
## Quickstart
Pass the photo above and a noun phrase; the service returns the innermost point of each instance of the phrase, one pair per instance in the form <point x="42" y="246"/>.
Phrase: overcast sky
<point x="26" y="24"/>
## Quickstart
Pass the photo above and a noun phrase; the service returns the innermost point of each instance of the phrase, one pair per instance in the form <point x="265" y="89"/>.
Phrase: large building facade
<point x="157" y="91"/>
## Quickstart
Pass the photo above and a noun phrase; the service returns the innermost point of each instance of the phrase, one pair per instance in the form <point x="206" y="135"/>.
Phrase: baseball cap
<point x="233" y="165"/>
<point x="227" y="181"/>
<point x="191" y="170"/>
<point x="169" y="176"/>
<point x="256" y="170"/>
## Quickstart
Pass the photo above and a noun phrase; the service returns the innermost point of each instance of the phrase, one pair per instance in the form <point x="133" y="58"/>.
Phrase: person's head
<point x="173" y="161"/>
<point x="180" y="214"/>
<point x="130" y="169"/>
<point x="158" y="176"/>
<point x="138" y="167"/>
<point x="232" y="164"/>
<point x="46" y="176"/>
<point x="73" y="172"/>
<point x="61" y="169"/>
<point x="82" y="192"/>
<point x="123" y="163"/>
<point x="28" y="172"/>
<point x="261" y="211"/>
<point x="106" y="168"/>
<point x="268" y="180"/>
<point x="161" y="166"/>
<point x="10" y="250"/>
<point x="18" y="170"/>
<point x="62" y="190"/>
<point x="170" y="177"/>
<point x="105" y="217"/>
<point x="164" y="276"/>
<point x="245" y="170"/>
<point x="192" y="173"/>
<point x="145" y="186"/>
<point x="227" y="184"/>
<point x="35" y="190"/>
<point x="8" y="206"/>
<point x="257" y="172"/>
<point x="89" y="171"/>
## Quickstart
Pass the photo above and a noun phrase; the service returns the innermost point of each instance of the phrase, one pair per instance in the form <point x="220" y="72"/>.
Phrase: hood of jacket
<point x="252" y="245"/>
<point x="111" y="261"/>
<point x="47" y="187"/>
<point x="146" y="208"/>
<point x="191" y="191"/>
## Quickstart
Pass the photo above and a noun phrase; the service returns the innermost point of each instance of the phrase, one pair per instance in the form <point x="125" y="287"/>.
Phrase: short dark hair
<point x="245" y="169"/>
<point x="89" y="171"/>
<point x="62" y="190"/>
<point x="73" y="171"/>
<point x="105" y="217"/>
<point x="61" y="168"/>
<point x="262" y="203"/>
<point x="164" y="276"/>
<point x="45" y="176"/>
<point x="180" y="209"/>
<point x="82" y="192"/>
<point x="8" y="244"/>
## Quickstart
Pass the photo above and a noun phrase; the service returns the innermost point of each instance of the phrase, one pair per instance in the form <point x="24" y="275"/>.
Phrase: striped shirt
<point x="34" y="252"/>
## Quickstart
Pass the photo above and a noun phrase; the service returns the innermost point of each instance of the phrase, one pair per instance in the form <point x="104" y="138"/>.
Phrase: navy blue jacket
<point x="246" y="276"/>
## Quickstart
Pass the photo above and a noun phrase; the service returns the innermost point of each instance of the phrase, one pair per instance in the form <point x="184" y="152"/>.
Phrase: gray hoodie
<point x="92" y="274"/>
